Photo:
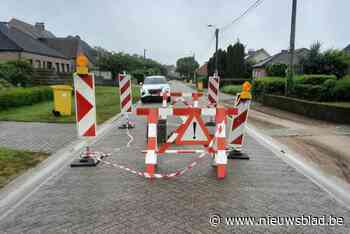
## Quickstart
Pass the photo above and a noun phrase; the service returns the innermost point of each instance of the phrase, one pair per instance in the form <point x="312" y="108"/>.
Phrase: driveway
<point x="36" y="137"/>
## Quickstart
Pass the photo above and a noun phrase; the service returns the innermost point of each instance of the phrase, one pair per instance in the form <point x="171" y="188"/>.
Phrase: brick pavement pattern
<point x="36" y="137"/>
<point x="104" y="199"/>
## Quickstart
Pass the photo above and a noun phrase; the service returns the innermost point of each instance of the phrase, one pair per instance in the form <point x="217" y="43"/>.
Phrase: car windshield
<point x="155" y="80"/>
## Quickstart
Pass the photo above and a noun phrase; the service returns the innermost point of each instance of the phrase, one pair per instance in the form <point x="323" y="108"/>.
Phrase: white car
<point x="152" y="87"/>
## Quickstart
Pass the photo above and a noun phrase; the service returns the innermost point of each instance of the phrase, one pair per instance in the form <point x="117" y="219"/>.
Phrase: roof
<point x="282" y="57"/>
<point x="30" y="29"/>
<point x="347" y="49"/>
<point x="252" y="54"/>
<point x="16" y="40"/>
<point x="70" y="46"/>
<point x="202" y="70"/>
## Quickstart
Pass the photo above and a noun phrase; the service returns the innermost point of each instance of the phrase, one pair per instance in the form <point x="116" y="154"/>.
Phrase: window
<point x="67" y="67"/>
<point x="31" y="61"/>
<point x="62" y="67"/>
<point x="57" y="67"/>
<point x="44" y="64"/>
<point x="49" y="65"/>
<point x="37" y="63"/>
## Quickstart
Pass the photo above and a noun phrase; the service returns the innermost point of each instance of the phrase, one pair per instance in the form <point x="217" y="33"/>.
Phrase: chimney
<point x="40" y="26"/>
<point x="251" y="52"/>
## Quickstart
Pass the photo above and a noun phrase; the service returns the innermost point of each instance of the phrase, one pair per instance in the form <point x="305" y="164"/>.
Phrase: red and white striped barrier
<point x="238" y="124"/>
<point x="125" y="93"/>
<point x="213" y="90"/>
<point x="190" y="132"/>
<point x="180" y="97"/>
<point x="84" y="88"/>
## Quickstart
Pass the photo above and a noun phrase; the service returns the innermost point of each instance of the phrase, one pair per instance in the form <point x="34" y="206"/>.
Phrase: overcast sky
<point x="176" y="28"/>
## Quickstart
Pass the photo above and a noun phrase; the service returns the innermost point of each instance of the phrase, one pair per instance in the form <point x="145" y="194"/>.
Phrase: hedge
<point x="316" y="110"/>
<point x="309" y="87"/>
<point x="232" y="89"/>
<point x="314" y="79"/>
<point x="16" y="97"/>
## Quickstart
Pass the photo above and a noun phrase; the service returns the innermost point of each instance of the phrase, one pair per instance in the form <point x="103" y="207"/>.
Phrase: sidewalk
<point x="104" y="199"/>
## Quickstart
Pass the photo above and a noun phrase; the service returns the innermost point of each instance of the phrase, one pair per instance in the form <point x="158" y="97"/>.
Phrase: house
<point x="16" y="44"/>
<point x="256" y="56"/>
<point x="20" y="40"/>
<point x="202" y="70"/>
<point x="283" y="57"/>
<point x="347" y="49"/>
<point x="70" y="47"/>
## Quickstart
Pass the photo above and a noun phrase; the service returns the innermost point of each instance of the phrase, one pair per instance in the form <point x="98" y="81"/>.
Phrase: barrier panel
<point x="238" y="124"/>
<point x="213" y="90"/>
<point x="125" y="92"/>
<point x="191" y="132"/>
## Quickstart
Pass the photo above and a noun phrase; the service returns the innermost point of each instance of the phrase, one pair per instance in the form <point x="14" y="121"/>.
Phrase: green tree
<point x="186" y="66"/>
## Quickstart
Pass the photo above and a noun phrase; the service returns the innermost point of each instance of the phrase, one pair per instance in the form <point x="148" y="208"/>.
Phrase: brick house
<point x="283" y="57"/>
<point x="256" y="56"/>
<point x="20" y="40"/>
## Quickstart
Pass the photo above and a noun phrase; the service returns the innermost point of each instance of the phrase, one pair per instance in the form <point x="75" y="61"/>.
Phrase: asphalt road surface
<point x="105" y="199"/>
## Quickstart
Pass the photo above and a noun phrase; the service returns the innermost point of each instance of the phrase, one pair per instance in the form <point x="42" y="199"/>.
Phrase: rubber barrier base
<point x="237" y="155"/>
<point x="84" y="162"/>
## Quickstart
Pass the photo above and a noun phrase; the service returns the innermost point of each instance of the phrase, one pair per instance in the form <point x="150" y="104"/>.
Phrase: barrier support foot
<point x="235" y="154"/>
<point x="85" y="160"/>
<point x="150" y="168"/>
<point x="220" y="171"/>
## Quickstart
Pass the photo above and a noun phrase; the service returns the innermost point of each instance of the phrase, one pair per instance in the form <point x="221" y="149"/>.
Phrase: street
<point x="105" y="199"/>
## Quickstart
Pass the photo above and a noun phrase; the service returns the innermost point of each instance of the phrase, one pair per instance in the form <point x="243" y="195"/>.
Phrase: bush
<point x="232" y="89"/>
<point x="18" y="73"/>
<point x="4" y="84"/>
<point x="271" y="85"/>
<point x="342" y="90"/>
<point x="138" y="75"/>
<point x="314" y="79"/>
<point x="308" y="92"/>
<point x="278" y="69"/>
<point x="16" y="97"/>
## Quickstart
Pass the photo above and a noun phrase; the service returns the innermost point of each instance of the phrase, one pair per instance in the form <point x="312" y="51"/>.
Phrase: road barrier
<point x="125" y="98"/>
<point x="213" y="90"/>
<point x="85" y="106"/>
<point x="180" y="97"/>
<point x="238" y="124"/>
<point x="191" y="132"/>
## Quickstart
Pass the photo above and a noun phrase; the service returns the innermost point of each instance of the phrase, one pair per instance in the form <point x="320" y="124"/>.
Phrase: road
<point x="105" y="199"/>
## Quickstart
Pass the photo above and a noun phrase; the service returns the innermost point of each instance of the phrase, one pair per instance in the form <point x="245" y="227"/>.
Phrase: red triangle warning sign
<point x="193" y="132"/>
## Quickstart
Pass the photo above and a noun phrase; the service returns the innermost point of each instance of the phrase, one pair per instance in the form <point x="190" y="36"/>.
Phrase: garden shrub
<point x="271" y="85"/>
<point x="4" y="84"/>
<point x="342" y="90"/>
<point x="308" y="92"/>
<point x="232" y="89"/>
<point x="278" y="69"/>
<point x="314" y="79"/>
<point x="16" y="97"/>
<point x="18" y="72"/>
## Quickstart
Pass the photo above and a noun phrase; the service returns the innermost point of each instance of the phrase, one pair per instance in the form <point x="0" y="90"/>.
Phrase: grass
<point x="107" y="105"/>
<point x="14" y="162"/>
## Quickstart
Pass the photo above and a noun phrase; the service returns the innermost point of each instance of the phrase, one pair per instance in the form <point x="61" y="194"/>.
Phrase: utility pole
<point x="289" y="83"/>
<point x="216" y="51"/>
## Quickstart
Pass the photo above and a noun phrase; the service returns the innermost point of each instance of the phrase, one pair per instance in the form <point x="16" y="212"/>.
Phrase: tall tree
<point x="235" y="63"/>
<point x="186" y="66"/>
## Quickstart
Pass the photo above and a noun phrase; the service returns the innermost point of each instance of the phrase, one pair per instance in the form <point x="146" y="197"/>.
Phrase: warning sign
<point x="193" y="132"/>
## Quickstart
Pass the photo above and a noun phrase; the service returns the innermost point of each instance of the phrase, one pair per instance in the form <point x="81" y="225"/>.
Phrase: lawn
<point x="107" y="105"/>
<point x="14" y="163"/>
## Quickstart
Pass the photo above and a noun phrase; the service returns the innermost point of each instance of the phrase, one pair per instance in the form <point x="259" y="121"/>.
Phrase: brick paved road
<point x="108" y="200"/>
<point x="36" y="137"/>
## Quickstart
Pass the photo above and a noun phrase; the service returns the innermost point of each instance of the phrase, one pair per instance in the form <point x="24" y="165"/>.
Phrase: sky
<point x="172" y="29"/>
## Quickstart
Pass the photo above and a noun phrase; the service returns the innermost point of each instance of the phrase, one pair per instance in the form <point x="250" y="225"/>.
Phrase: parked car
<point x="152" y="88"/>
